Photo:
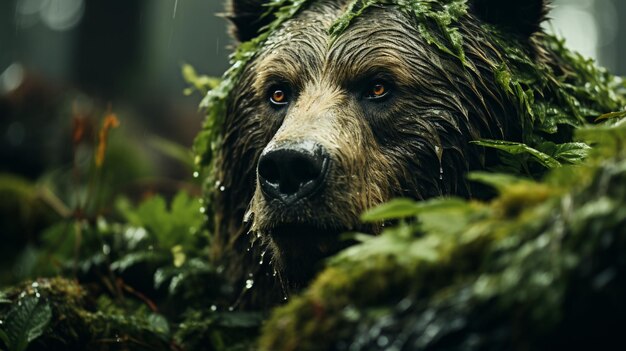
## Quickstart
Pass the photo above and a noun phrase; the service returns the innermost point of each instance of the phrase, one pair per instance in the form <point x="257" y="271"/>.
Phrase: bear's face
<point x="321" y="128"/>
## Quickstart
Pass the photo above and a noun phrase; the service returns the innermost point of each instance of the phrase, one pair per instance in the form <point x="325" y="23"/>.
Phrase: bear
<point x="350" y="103"/>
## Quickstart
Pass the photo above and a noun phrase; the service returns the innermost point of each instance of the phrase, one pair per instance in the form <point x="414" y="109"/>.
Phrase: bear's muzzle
<point x="293" y="171"/>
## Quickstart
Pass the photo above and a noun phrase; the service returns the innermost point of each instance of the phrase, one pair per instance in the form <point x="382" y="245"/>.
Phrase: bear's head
<point x="324" y="124"/>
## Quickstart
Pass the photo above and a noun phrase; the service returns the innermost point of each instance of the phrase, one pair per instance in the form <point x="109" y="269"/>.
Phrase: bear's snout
<point x="292" y="171"/>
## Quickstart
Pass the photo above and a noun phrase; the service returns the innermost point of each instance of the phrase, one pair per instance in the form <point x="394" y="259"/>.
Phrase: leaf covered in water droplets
<point x="25" y="322"/>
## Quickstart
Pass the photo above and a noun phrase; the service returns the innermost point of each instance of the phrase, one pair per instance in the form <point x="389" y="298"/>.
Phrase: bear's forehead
<point x="304" y="48"/>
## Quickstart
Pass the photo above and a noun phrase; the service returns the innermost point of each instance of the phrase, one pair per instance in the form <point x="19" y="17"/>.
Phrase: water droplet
<point x="117" y="338"/>
<point x="231" y="308"/>
<point x="439" y="152"/>
<point x="258" y="235"/>
<point x="37" y="295"/>
<point x="196" y="174"/>
<point x="213" y="308"/>
<point x="440" y="173"/>
<point x="285" y="298"/>
<point x="202" y="209"/>
<point x="222" y="188"/>
<point x="248" y="249"/>
<point x="217" y="184"/>
<point x="34" y="285"/>
<point x="1" y="322"/>
<point x="262" y="256"/>
<point x="250" y="275"/>
<point x="274" y="273"/>
<point x="247" y="217"/>
<point x="106" y="249"/>
<point x="249" y="283"/>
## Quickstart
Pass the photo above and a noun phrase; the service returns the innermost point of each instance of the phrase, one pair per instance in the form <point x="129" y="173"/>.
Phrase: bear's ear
<point x="247" y="17"/>
<point x="522" y="17"/>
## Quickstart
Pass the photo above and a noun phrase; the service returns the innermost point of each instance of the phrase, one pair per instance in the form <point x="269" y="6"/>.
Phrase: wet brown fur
<point x="416" y="144"/>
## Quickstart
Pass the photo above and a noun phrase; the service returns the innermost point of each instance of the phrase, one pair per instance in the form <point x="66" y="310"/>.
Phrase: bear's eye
<point x="278" y="97"/>
<point x="377" y="90"/>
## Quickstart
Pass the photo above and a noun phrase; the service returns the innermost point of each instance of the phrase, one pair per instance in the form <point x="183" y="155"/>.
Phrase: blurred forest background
<point x="66" y="64"/>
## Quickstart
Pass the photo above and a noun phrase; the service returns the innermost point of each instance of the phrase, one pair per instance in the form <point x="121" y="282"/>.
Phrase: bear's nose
<point x="292" y="171"/>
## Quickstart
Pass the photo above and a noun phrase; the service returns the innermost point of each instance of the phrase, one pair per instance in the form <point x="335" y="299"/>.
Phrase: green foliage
<point x="435" y="18"/>
<point x="343" y="22"/>
<point x="156" y="259"/>
<point x="551" y="102"/>
<point x="25" y="322"/>
<point x="200" y="83"/>
<point x="168" y="226"/>
<point x="403" y="208"/>
<point x="513" y="148"/>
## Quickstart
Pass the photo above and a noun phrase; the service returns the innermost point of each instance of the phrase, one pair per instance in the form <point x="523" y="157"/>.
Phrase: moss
<point x="515" y="199"/>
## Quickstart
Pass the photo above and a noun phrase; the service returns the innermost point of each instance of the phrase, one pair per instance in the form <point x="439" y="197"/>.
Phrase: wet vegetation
<point x="84" y="268"/>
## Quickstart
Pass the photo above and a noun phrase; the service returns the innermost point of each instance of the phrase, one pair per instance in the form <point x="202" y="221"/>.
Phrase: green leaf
<point x="612" y="115"/>
<point x="499" y="181"/>
<point x="199" y="83"/>
<point x="394" y="209"/>
<point x="174" y="226"/>
<point x="134" y="258"/>
<point x="514" y="148"/>
<point x="403" y="208"/>
<point x="159" y="325"/>
<point x="573" y="153"/>
<point x="26" y="321"/>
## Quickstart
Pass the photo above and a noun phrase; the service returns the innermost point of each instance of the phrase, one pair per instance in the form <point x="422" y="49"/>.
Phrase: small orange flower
<point x="110" y="121"/>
